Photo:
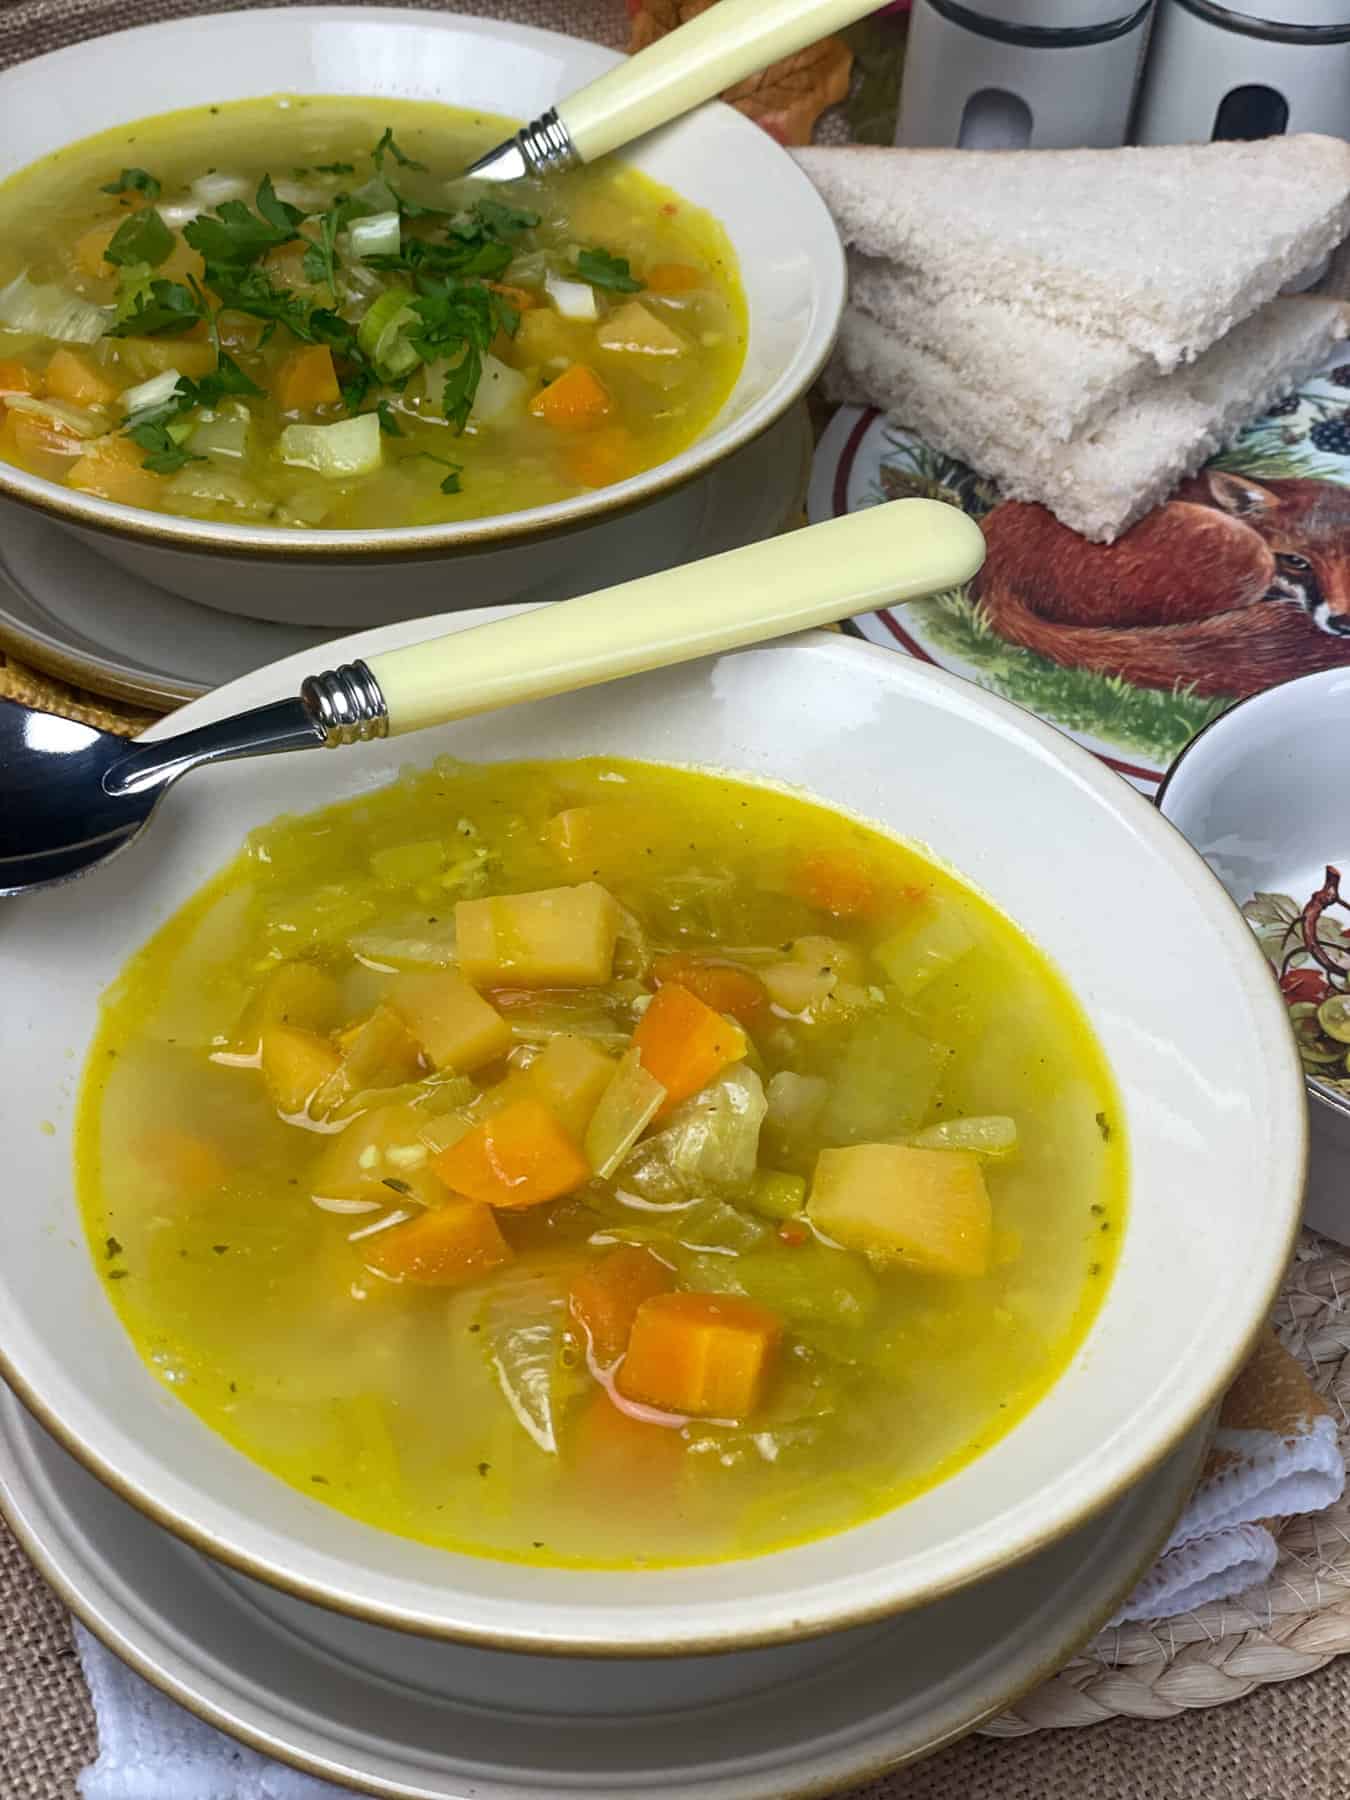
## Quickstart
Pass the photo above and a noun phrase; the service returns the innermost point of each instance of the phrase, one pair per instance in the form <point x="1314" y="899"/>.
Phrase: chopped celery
<point x="709" y="1144"/>
<point x="224" y="434"/>
<point x="52" y="312"/>
<point x="375" y="235"/>
<point x="774" y="1195"/>
<point x="915" y="955"/>
<point x="348" y="448"/>
<point x="585" y="1012"/>
<point x="77" y="420"/>
<point x="885" y="1082"/>
<point x="811" y="1284"/>
<point x="402" y="865"/>
<point x="991" y="1136"/>
<point x="713" y="1225"/>
<point x="158" y="391"/>
<point x="795" y="1103"/>
<point x="322" y="915"/>
<point x="626" y="1108"/>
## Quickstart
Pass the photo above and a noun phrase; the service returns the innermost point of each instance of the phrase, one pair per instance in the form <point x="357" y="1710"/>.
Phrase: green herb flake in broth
<point x="387" y="143"/>
<point x="603" y="270"/>
<point x="144" y="238"/>
<point x="134" y="181"/>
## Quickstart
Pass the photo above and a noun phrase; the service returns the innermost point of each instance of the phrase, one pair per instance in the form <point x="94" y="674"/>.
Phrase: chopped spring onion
<point x="992" y="1136"/>
<point x="75" y="419"/>
<point x="376" y="236"/>
<point x="351" y="447"/>
<point x="158" y="391"/>
<point x="573" y="299"/>
<point x="626" y="1108"/>
<point x="382" y="335"/>
<point x="52" y="312"/>
<point x="502" y="393"/>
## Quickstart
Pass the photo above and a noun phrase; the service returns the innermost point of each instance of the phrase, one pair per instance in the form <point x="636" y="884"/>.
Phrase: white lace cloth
<point x="150" y="1749"/>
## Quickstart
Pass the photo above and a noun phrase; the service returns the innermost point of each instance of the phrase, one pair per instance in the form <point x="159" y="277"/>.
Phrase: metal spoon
<point x="70" y="796"/>
<point x="672" y="76"/>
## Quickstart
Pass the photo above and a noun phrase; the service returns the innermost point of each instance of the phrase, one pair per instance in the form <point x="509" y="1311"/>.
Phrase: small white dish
<point x="1170" y="978"/>
<point x="399" y="1717"/>
<point x="1252" y="794"/>
<point x="68" y="609"/>
<point x="790" y="262"/>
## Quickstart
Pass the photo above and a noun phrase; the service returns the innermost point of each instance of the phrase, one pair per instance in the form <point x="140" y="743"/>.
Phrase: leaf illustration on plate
<point x="786" y="98"/>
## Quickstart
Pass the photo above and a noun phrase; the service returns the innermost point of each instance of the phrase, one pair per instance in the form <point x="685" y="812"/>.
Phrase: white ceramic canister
<point x="1245" y="69"/>
<point x="1021" y="74"/>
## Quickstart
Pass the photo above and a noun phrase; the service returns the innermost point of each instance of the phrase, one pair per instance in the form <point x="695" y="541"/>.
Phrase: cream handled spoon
<point x="71" y="796"/>
<point x="680" y="71"/>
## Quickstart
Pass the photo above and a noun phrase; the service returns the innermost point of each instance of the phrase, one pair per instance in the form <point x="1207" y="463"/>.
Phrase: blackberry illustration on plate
<point x="1332" y="435"/>
<point x="1340" y="375"/>
<point x="1286" y="404"/>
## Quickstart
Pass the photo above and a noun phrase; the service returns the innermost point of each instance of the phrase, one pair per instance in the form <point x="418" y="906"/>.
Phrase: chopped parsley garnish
<point x="387" y="143"/>
<point x="451" y="483"/>
<point x="234" y="236"/>
<point x="164" y="455"/>
<point x="135" y="181"/>
<point x="506" y="221"/>
<point x="112" y="1249"/>
<point x="337" y="168"/>
<point x="321" y="257"/>
<point x="143" y="238"/>
<point x="605" y="271"/>
<point x="389" y="425"/>
<point x="399" y="1187"/>
<point x="157" y="309"/>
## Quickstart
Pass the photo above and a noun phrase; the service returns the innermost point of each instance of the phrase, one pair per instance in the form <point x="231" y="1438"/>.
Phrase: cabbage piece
<point x="146" y="396"/>
<point x="376" y="235"/>
<point x="710" y="1144"/>
<point x="810" y="1285"/>
<point x="203" y="487"/>
<point x="535" y="1016"/>
<point x="77" y="420"/>
<point x="885" y="1082"/>
<point x="348" y="448"/>
<point x="714" y="1226"/>
<point x="625" y="1110"/>
<point x="52" y="312"/>
<point x="413" y="944"/>
<point x="994" y="1135"/>
<point x="223" y="434"/>
<point x="524" y="1318"/>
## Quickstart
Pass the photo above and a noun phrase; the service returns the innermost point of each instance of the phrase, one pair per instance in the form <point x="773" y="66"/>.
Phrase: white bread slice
<point x="1102" y="482"/>
<point x="1165" y="246"/>
<point x="1040" y="378"/>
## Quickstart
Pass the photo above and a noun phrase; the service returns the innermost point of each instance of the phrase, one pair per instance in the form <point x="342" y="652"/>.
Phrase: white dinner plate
<point x="411" y="1719"/>
<point x="68" y="610"/>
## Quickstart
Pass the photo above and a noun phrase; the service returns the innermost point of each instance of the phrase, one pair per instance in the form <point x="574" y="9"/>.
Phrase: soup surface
<point x="598" y="1163"/>
<point x="293" y="312"/>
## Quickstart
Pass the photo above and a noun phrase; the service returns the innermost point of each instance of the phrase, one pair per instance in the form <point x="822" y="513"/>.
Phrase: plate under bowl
<point x="1166" y="969"/>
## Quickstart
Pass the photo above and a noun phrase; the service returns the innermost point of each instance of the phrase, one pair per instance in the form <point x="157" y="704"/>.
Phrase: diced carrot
<point x="724" y="986"/>
<point x="295" y="1065"/>
<point x="706" y="1355"/>
<point x="18" y="378"/>
<point x="604" y="457"/>
<point x="307" y="379"/>
<point x="518" y="1157"/>
<point x="449" y="1246"/>
<point x="521" y="298"/>
<point x="182" y="1160"/>
<point x="576" y="401"/>
<point x="112" y="467"/>
<point x="606" y="1295"/>
<point x="840" y="882"/>
<point x="39" y="444"/>
<point x="615" y="1453"/>
<point x="674" y="278"/>
<point x="684" y="1043"/>
<point x="74" y="376"/>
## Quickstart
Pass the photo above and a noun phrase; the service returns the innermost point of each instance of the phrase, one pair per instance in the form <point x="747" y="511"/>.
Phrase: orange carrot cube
<point x="674" y="278"/>
<point x="307" y="379"/>
<point x="17" y="378"/>
<point x="684" y="1043"/>
<point x="605" y="1297"/>
<point x="520" y="1156"/>
<point x="75" y="376"/>
<point x="724" y="986"/>
<point x="113" y="468"/>
<point x="576" y="401"/>
<point x="706" y="1355"/>
<point x="448" y="1246"/>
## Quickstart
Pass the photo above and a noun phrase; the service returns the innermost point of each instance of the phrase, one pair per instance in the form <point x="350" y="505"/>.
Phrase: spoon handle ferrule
<point x="347" y="704"/>
<point x="544" y="147"/>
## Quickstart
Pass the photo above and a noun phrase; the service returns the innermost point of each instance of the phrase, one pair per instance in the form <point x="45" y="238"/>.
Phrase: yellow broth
<point x="478" y="1416"/>
<point x="446" y="402"/>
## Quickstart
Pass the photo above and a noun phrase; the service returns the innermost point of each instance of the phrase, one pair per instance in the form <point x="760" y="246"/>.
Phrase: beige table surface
<point x="1289" y="1741"/>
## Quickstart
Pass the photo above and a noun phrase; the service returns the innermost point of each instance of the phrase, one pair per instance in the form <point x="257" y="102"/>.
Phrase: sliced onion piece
<point x="350" y="447"/>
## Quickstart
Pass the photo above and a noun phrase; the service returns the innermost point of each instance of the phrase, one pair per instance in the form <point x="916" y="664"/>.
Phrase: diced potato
<point x="924" y="1209"/>
<point x="633" y="331"/>
<point x="454" y="1025"/>
<point x="295" y="1066"/>
<point x="706" y="1355"/>
<point x="451" y="1245"/>
<point x="828" y="954"/>
<point x="555" y="937"/>
<point x="796" y="988"/>
<point x="300" y="994"/>
<point x="594" y="840"/>
<point x="544" y="337"/>
<point x="569" y="1075"/>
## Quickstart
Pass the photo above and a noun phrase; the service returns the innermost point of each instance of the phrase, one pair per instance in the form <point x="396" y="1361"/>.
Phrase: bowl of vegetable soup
<point x="262" y="345"/>
<point x="703" y="1164"/>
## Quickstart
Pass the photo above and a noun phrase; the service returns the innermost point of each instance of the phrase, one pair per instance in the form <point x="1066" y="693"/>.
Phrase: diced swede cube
<point x="924" y="1209"/>
<point x="453" y="1024"/>
<point x="554" y="937"/>
<point x="573" y="299"/>
<point x="633" y="331"/>
<point x="295" y="1065"/>
<point x="570" y="1074"/>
